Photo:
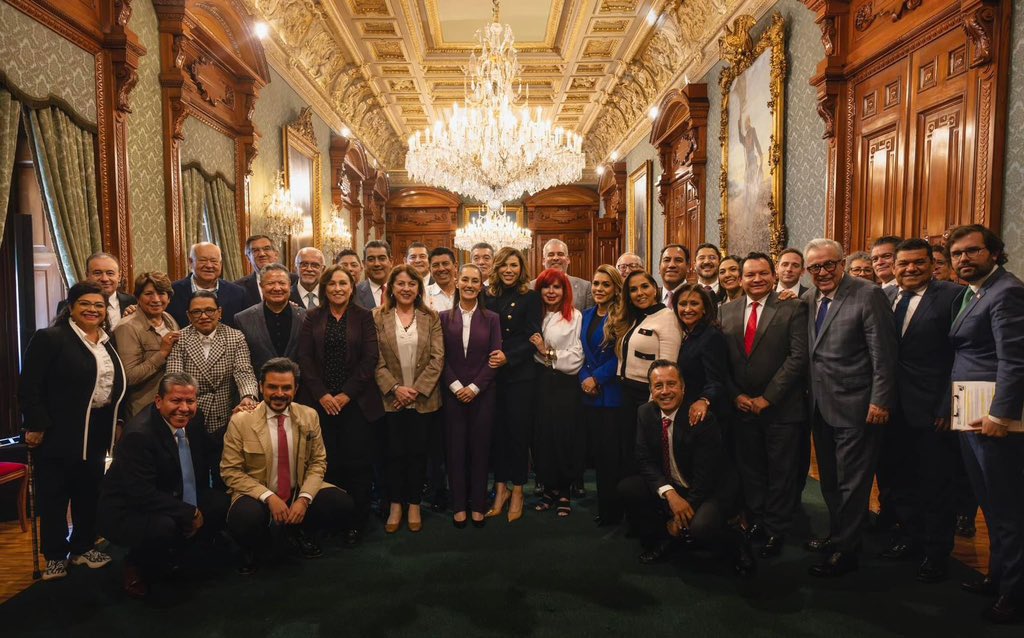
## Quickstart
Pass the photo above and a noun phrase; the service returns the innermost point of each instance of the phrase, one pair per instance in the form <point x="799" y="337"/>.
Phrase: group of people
<point x="286" y="402"/>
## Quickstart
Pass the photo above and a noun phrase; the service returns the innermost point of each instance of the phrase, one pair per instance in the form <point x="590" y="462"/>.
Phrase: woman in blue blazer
<point x="602" y="396"/>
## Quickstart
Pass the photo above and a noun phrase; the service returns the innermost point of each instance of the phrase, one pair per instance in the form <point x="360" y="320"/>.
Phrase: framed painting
<point x="302" y="171"/>
<point x="639" y="202"/>
<point x="751" y="135"/>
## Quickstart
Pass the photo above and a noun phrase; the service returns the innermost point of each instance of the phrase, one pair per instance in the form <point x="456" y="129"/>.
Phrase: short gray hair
<point x="822" y="243"/>
<point x="172" y="379"/>
<point x="860" y="254"/>
<point x="555" y="240"/>
<point x="310" y="249"/>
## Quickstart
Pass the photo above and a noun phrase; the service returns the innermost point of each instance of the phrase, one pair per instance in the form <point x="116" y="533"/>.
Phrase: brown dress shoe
<point x="133" y="583"/>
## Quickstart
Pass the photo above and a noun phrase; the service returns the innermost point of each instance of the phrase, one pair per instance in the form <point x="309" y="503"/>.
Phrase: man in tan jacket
<point x="273" y="465"/>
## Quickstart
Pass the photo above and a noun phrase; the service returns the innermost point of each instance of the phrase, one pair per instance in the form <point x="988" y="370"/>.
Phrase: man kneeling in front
<point x="687" y="487"/>
<point x="150" y="500"/>
<point x="273" y="464"/>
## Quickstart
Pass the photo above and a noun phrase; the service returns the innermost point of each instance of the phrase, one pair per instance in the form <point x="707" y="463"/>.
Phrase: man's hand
<point x="698" y="411"/>
<point x="34" y="439"/>
<point x="787" y="294"/>
<point x="465" y="394"/>
<point x="496" y="359"/>
<point x="278" y="509"/>
<point x="681" y="509"/>
<point x="589" y="386"/>
<point x="130" y="310"/>
<point x="990" y="428"/>
<point x="758" y="405"/>
<point x="197" y="522"/>
<point x="877" y="415"/>
<point x="743" y="403"/>
<point x="297" y="513"/>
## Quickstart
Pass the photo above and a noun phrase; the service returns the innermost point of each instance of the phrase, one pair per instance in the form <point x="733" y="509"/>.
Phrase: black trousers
<point x="351" y="446"/>
<point x="847" y="459"/>
<point x="406" y="455"/>
<point x="557" y="455"/>
<point x="634" y="394"/>
<point x="216" y="451"/>
<point x="766" y="457"/>
<point x="58" y="482"/>
<point x="649" y="514"/>
<point x="613" y="436"/>
<point x="437" y="480"/>
<point x="513" y="427"/>
<point x="249" y="520"/>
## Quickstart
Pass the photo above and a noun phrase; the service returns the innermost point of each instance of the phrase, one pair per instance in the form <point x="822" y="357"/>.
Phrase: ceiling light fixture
<point x="262" y="30"/>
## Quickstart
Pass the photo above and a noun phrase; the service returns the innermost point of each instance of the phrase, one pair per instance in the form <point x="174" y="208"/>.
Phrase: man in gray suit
<point x="852" y="345"/>
<point x="988" y="342"/>
<point x="767" y="342"/>
<point x="271" y="328"/>
<point x="377" y="263"/>
<point x="556" y="255"/>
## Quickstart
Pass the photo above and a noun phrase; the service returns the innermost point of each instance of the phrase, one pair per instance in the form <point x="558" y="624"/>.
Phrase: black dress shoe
<point x="772" y="547"/>
<point x="658" y="553"/>
<point x="932" y="570"/>
<point x="838" y="564"/>
<point x="965" y="527"/>
<point x="353" y="537"/>
<point x="819" y="544"/>
<point x="745" y="564"/>
<point x="133" y="583"/>
<point x="249" y="565"/>
<point x="756" y="533"/>
<point x="899" y="551"/>
<point x="983" y="587"/>
<point x="307" y="548"/>
<point x="1005" y="610"/>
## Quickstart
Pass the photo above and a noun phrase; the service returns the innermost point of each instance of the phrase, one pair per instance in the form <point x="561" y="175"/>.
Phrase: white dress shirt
<point x="113" y="311"/>
<point x="292" y="455"/>
<point x="676" y="475"/>
<point x="666" y="294"/>
<point x="206" y="341"/>
<point x="915" y="301"/>
<point x="467" y="321"/>
<point x="104" y="366"/>
<point x="214" y="290"/>
<point x="781" y="287"/>
<point x="891" y="282"/>
<point x="749" y="307"/>
<point x="304" y="294"/>
<point x="438" y="299"/>
<point x="406" y="340"/>
<point x="376" y="290"/>
<point x="564" y="338"/>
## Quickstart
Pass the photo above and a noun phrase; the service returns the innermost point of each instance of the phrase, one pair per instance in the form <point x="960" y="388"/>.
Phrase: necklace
<point x="412" y="320"/>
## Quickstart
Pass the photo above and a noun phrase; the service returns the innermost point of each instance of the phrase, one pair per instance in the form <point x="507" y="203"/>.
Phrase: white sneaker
<point x="55" y="569"/>
<point x="93" y="559"/>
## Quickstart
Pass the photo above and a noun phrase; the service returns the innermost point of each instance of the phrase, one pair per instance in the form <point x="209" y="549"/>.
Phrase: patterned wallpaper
<point x="145" y="149"/>
<point x="279" y="104"/>
<point x="1013" y="187"/>
<point x="213" y="150"/>
<point x="50" y="66"/>
<point x="805" y="157"/>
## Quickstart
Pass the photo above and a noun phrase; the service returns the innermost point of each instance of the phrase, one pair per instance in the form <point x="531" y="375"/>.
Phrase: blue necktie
<point x="822" y="311"/>
<point x="901" y="310"/>
<point x="188" y="475"/>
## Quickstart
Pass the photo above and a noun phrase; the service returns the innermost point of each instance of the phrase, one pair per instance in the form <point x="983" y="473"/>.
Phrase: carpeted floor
<point x="541" y="576"/>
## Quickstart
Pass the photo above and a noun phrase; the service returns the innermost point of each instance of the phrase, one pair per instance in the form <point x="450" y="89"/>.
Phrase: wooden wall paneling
<point x="421" y="213"/>
<point x="566" y="213"/>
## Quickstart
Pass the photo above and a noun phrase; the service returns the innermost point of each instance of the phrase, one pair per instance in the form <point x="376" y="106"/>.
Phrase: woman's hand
<point x="404" y="395"/>
<point x="168" y="341"/>
<point x="466" y="394"/>
<point x="538" y="342"/>
<point x="342" y="400"/>
<point x="698" y="411"/>
<point x="496" y="359"/>
<point x="34" y="439"/>
<point x="330" y="404"/>
<point x="590" y="387"/>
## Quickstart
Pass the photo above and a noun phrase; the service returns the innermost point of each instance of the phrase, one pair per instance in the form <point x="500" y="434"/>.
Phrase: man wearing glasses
<point x="852" y="348"/>
<point x="309" y="265"/>
<point x="261" y="252"/>
<point x="207" y="265"/>
<point x="627" y="263"/>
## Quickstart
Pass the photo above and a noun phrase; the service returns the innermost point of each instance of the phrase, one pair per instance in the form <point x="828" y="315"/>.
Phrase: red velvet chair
<point x="9" y="473"/>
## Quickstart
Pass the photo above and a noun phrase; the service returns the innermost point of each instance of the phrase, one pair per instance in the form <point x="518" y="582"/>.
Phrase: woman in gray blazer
<point x="145" y="339"/>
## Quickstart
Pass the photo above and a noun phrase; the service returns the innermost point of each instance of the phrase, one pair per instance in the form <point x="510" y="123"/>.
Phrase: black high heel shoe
<point x="459" y="524"/>
<point x="479" y="523"/>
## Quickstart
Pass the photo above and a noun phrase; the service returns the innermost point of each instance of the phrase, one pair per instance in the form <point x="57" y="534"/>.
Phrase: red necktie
<point x="710" y="290"/>
<point x="666" y="442"/>
<point x="284" y="472"/>
<point x="748" y="336"/>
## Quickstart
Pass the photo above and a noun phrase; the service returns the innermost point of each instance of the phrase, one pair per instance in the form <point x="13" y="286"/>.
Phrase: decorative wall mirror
<point x="302" y="166"/>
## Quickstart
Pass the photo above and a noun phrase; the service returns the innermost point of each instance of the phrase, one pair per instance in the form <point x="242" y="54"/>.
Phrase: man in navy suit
<point x="207" y="265"/>
<point x="918" y="451"/>
<point x="261" y="252"/>
<point x="377" y="260"/>
<point x="988" y="341"/>
<point x="104" y="270"/>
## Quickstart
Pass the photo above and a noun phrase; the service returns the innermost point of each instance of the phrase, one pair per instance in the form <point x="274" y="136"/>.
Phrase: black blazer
<point x="55" y="393"/>
<point x="361" y="358"/>
<point x="145" y="476"/>
<point x="252" y="289"/>
<point x="230" y="297"/>
<point x="520" y="316"/>
<point x="926" y="355"/>
<point x="700" y="455"/>
<point x="702" y="360"/>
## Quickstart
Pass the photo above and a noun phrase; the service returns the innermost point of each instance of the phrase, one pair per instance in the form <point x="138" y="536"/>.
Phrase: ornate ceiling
<point x="386" y="68"/>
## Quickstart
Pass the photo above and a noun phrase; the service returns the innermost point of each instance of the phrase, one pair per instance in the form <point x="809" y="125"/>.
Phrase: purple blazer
<point x="361" y="359"/>
<point x="484" y="338"/>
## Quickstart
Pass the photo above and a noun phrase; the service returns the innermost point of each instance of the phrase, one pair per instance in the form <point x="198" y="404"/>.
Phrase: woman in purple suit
<point x="471" y="334"/>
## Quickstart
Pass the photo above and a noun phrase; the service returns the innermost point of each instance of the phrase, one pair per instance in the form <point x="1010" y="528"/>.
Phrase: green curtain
<point x="10" y="112"/>
<point x="66" y="163"/>
<point x="220" y="206"/>
<point x="193" y="198"/>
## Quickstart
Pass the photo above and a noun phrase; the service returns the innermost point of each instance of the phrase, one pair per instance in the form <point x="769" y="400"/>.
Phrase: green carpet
<point x="541" y="576"/>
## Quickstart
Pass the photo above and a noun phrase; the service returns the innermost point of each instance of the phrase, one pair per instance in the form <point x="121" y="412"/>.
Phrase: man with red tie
<point x="767" y="342"/>
<point x="273" y="464"/>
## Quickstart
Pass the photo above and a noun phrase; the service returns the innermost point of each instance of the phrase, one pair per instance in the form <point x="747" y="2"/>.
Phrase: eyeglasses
<point x="627" y="268"/>
<point x="829" y="266"/>
<point x="310" y="265"/>
<point x="203" y="312"/>
<point x="972" y="252"/>
<point x="860" y="270"/>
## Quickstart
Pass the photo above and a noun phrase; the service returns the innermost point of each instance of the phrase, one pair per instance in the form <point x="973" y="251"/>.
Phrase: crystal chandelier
<point x="494" y="148"/>
<point x="336" y="234"/>
<point x="493" y="227"/>
<point x="281" y="217"/>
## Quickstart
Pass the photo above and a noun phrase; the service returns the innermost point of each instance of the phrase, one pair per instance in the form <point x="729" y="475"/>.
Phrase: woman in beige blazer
<point x="145" y="339"/>
<point x="408" y="371"/>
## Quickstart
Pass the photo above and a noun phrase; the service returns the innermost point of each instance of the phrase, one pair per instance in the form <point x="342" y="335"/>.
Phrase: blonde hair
<point x="494" y="285"/>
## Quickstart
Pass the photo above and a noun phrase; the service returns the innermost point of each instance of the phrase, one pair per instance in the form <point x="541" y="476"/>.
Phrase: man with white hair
<point x="853" y="347"/>
<point x="556" y="255"/>
<point x="309" y="264"/>
<point x="627" y="263"/>
<point x="207" y="266"/>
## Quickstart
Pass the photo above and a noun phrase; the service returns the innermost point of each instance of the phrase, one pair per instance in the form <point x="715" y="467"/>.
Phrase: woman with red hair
<point x="559" y="357"/>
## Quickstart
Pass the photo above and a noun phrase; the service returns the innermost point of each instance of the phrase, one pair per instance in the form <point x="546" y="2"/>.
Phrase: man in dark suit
<point x="309" y="265"/>
<point x="377" y="262"/>
<point x="271" y="328"/>
<point x="918" y="451"/>
<point x="988" y="342"/>
<point x="151" y="500"/>
<point x="706" y="262"/>
<point x="205" y="259"/>
<point x="767" y="341"/>
<point x="261" y="252"/>
<point x="686" y="488"/>
<point x="673" y="266"/>
<point x="852" y="352"/>
<point x="104" y="270"/>
<point x="788" y="272"/>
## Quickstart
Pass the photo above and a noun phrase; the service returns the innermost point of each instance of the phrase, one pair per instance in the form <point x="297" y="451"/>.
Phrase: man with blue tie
<point x="988" y="341"/>
<point x="150" y="500"/>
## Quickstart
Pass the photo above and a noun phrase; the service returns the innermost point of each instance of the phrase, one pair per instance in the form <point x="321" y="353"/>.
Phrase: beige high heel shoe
<point x="498" y="507"/>
<point x="515" y="508"/>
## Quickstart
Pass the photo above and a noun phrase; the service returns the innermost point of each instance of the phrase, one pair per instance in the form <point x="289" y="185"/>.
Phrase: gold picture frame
<point x="302" y="177"/>
<point x="639" y="204"/>
<point x="469" y="213"/>
<point x="751" y="181"/>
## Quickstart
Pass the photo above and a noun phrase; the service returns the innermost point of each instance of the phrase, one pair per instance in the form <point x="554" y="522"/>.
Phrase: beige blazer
<point x="248" y="454"/>
<point x="429" y="358"/>
<point x="138" y="345"/>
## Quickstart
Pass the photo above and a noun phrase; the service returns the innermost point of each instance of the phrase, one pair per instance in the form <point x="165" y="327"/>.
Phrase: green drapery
<point x="220" y="206"/>
<point x="66" y="164"/>
<point x="193" y="200"/>
<point x="10" y="113"/>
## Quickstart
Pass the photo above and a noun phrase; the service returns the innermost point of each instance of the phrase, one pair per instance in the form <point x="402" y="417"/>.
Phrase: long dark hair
<point x="76" y="292"/>
<point x="626" y="314"/>
<point x="390" y="303"/>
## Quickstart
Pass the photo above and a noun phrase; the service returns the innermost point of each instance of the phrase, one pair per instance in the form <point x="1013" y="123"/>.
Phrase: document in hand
<point x="971" y="400"/>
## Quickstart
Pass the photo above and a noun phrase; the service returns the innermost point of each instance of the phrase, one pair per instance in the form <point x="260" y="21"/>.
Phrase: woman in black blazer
<point x="703" y="354"/>
<point x="338" y="354"/>
<point x="519" y="310"/>
<point x="72" y="385"/>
